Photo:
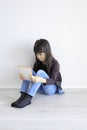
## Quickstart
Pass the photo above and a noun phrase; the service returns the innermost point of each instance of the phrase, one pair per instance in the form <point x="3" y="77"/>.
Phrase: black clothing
<point x="55" y="75"/>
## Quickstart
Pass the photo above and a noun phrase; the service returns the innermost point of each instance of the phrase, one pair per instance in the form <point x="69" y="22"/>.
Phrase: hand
<point x="35" y="78"/>
<point x="21" y="77"/>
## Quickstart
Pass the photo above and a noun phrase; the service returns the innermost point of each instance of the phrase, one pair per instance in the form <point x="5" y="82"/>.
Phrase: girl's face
<point x="41" y="56"/>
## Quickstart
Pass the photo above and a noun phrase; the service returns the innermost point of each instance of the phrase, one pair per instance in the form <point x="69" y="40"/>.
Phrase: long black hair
<point x="43" y="46"/>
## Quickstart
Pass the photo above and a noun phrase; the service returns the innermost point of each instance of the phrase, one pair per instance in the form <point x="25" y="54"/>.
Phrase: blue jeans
<point x="31" y="88"/>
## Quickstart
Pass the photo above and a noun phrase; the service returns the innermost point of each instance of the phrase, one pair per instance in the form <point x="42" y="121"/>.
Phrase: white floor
<point x="57" y="112"/>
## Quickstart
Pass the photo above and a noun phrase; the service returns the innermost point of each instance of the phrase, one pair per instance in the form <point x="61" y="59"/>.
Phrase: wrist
<point x="43" y="80"/>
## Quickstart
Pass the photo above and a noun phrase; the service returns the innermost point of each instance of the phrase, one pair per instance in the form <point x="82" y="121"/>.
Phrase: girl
<point x="45" y="77"/>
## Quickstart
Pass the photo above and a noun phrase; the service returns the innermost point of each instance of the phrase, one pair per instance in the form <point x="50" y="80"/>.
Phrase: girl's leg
<point x="49" y="89"/>
<point x="31" y="91"/>
<point x="36" y="85"/>
<point x="23" y="90"/>
<point x="40" y="90"/>
<point x="23" y="93"/>
<point x="25" y="85"/>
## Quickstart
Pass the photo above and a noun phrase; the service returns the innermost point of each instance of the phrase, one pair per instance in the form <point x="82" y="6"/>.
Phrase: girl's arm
<point x="34" y="78"/>
<point x="37" y="79"/>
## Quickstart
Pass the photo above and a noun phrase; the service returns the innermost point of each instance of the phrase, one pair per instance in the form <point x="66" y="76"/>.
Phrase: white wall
<point x="62" y="22"/>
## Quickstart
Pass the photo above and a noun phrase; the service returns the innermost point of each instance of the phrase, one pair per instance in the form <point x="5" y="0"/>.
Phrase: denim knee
<point x="42" y="74"/>
<point x="39" y="72"/>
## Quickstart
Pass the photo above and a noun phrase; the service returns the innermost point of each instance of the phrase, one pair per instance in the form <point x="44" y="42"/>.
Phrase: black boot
<point x="18" y="100"/>
<point x="24" y="102"/>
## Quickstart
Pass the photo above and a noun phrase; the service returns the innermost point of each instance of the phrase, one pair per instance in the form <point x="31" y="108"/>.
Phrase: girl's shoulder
<point x="54" y="60"/>
<point x="55" y="63"/>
